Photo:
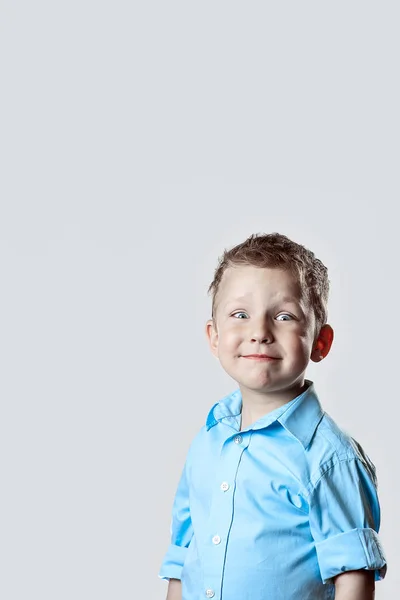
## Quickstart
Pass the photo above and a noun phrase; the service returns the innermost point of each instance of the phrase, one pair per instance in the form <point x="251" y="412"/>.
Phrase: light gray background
<point x="138" y="140"/>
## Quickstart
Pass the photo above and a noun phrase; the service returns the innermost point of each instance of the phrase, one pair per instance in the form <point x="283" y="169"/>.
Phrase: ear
<point x="212" y="336"/>
<point x="322" y="344"/>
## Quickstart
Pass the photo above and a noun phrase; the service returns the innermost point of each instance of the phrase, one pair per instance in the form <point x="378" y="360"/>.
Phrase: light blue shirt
<point x="275" y="511"/>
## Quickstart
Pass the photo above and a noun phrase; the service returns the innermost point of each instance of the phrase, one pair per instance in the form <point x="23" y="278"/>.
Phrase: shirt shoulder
<point x="331" y="446"/>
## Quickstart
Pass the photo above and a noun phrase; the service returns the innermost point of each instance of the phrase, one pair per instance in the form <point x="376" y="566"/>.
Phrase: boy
<point x="275" y="502"/>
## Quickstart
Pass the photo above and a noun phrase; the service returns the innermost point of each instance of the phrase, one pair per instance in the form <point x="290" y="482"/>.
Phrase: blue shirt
<point x="275" y="511"/>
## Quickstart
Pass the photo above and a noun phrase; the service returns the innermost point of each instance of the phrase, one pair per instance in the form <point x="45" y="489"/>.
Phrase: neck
<point x="256" y="405"/>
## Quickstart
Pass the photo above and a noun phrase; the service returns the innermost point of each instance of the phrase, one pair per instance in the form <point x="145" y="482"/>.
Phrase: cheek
<point x="294" y="340"/>
<point x="301" y="347"/>
<point x="229" y="338"/>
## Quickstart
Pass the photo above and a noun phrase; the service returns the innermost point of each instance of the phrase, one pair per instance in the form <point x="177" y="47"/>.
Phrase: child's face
<point x="262" y="311"/>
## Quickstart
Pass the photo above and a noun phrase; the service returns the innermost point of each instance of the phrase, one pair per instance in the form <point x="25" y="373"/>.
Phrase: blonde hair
<point x="275" y="250"/>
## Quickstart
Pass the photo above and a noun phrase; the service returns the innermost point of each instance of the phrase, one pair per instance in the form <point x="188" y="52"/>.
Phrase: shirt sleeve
<point x="181" y="532"/>
<point x="345" y="519"/>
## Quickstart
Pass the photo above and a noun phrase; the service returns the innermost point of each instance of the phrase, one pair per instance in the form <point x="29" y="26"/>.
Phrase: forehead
<point x="246" y="281"/>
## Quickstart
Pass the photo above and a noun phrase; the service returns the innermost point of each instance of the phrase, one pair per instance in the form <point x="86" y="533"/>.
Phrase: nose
<point x="261" y="332"/>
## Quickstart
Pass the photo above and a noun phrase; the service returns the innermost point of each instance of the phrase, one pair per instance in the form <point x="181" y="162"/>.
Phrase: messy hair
<point x="275" y="250"/>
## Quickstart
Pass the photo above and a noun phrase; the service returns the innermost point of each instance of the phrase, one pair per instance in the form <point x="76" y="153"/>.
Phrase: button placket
<point x="221" y="512"/>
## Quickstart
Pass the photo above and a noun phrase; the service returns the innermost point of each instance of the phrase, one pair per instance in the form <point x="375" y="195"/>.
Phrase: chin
<point x="260" y="386"/>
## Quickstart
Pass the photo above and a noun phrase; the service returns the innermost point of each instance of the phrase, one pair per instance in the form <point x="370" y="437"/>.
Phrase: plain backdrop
<point x="138" y="141"/>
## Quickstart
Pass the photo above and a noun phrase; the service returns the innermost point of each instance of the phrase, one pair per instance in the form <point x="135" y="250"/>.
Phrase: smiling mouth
<point x="263" y="357"/>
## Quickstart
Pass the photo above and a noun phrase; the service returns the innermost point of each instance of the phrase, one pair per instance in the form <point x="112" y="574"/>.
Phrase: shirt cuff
<point x="172" y="565"/>
<point x="350" y="551"/>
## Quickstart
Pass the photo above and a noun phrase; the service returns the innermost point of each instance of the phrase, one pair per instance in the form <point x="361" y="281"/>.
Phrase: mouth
<point x="262" y="357"/>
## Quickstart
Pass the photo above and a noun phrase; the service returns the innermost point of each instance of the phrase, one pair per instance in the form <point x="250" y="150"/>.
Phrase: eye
<point x="289" y="317"/>
<point x="239" y="312"/>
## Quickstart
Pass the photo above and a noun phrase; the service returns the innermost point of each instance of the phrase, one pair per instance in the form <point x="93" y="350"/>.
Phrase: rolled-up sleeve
<point x="181" y="532"/>
<point x="345" y="519"/>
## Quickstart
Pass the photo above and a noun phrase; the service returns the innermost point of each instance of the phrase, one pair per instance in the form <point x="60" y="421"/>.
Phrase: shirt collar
<point x="299" y="417"/>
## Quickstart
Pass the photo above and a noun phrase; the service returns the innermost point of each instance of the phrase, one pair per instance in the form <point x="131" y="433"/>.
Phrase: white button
<point x="216" y="539"/>
<point x="238" y="439"/>
<point x="210" y="593"/>
<point x="224" y="486"/>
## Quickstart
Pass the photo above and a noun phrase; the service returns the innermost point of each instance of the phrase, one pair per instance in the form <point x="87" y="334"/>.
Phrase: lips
<point x="260" y="356"/>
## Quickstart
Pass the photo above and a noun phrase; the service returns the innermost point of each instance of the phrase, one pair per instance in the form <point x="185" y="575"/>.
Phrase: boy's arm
<point x="354" y="585"/>
<point x="181" y="535"/>
<point x="344" y="520"/>
<point x="175" y="590"/>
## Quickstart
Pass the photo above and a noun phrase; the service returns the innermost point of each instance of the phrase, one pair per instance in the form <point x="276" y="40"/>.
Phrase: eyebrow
<point x="288" y="299"/>
<point x="284" y="300"/>
<point x="238" y="299"/>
